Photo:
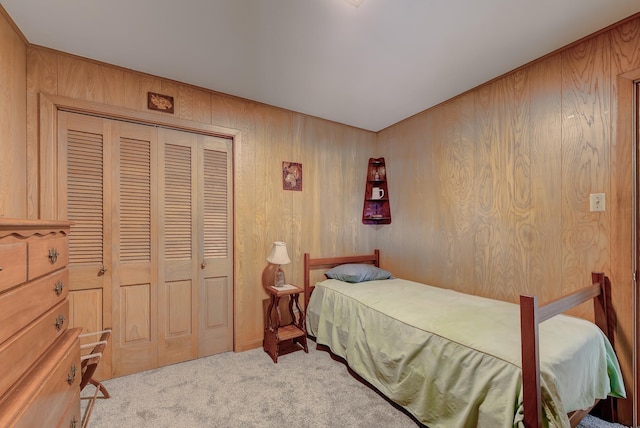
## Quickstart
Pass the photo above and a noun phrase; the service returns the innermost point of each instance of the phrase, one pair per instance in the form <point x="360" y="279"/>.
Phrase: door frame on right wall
<point x="625" y="228"/>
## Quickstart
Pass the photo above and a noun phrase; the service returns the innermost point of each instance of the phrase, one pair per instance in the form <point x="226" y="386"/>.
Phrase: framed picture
<point x="291" y="176"/>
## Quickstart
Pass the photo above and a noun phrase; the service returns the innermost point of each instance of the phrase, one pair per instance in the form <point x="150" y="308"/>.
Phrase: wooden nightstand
<point x="277" y="336"/>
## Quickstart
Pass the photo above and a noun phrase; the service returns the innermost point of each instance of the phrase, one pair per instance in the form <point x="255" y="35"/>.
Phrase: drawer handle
<point x="59" y="322"/>
<point x="53" y="255"/>
<point x="73" y="423"/>
<point x="59" y="287"/>
<point x="0" y="268"/>
<point x="72" y="375"/>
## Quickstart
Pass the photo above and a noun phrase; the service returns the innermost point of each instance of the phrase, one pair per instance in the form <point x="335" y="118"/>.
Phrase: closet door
<point x="151" y="250"/>
<point x="178" y="276"/>
<point x="216" y="246"/>
<point x="196" y="267"/>
<point x="84" y="178"/>
<point x="135" y="247"/>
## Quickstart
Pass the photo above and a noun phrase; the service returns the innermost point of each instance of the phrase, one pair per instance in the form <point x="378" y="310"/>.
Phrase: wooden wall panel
<point x="91" y="81"/>
<point x="43" y="79"/>
<point x="542" y="139"/>
<point x="494" y="233"/>
<point x="136" y="88"/>
<point x="546" y="169"/>
<point x="407" y="167"/>
<point x="453" y="168"/>
<point x="585" y="160"/>
<point x="190" y="103"/>
<point x="13" y="157"/>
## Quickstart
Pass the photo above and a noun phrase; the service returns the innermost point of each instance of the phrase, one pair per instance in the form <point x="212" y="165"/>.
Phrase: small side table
<point x="275" y="334"/>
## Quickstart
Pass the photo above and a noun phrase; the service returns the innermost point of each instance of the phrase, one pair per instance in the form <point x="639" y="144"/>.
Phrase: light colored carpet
<point x="248" y="390"/>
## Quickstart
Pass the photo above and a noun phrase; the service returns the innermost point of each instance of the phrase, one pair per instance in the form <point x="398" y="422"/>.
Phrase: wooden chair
<point x="89" y="364"/>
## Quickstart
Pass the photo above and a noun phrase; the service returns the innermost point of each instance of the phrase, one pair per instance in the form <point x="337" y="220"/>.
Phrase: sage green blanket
<point x="453" y="359"/>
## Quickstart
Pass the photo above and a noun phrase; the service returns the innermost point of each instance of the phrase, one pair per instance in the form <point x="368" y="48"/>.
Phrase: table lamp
<point x="279" y="256"/>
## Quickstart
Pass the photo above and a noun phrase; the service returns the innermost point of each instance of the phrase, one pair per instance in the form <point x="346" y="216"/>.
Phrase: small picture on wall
<point x="291" y="176"/>
<point x="159" y="102"/>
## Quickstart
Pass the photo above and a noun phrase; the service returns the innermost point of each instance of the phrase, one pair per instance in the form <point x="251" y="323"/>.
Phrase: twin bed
<point x="457" y="360"/>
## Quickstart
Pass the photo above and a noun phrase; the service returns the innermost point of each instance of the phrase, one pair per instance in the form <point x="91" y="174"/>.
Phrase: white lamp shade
<point x="279" y="255"/>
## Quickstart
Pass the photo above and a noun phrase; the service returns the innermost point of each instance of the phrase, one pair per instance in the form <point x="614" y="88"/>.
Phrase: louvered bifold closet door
<point x="216" y="245"/>
<point x="178" y="274"/>
<point x="135" y="287"/>
<point x="84" y="171"/>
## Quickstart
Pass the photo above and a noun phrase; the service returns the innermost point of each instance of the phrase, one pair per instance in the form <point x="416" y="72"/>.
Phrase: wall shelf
<point x="376" y="209"/>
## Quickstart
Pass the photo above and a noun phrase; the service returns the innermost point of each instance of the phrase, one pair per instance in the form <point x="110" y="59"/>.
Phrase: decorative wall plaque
<point x="159" y="102"/>
<point x="291" y="176"/>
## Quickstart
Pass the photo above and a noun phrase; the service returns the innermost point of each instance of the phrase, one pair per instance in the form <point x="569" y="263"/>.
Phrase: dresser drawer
<point x="25" y="347"/>
<point x="47" y="255"/>
<point x="42" y="397"/>
<point x="13" y="270"/>
<point x="21" y="305"/>
<point x="72" y="416"/>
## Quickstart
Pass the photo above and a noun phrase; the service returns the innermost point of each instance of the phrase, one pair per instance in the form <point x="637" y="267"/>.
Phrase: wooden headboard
<point x="329" y="262"/>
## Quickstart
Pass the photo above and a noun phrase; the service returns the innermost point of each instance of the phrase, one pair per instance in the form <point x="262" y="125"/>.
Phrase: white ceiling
<point x="368" y="67"/>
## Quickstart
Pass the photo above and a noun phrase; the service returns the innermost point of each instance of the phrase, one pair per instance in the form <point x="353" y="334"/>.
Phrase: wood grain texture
<point x="494" y="233"/>
<point x="546" y="168"/>
<point x="486" y="191"/>
<point x="13" y="199"/>
<point x="88" y="80"/>
<point x="542" y="139"/>
<point x="44" y="79"/>
<point x="625" y="69"/>
<point x="585" y="160"/>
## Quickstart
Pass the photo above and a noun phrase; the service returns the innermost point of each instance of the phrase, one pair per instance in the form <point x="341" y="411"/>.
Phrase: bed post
<point x="601" y="305"/>
<point x="603" y="317"/>
<point x="530" y="362"/>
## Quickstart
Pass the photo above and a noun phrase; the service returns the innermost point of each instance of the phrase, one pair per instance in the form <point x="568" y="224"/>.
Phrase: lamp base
<point x="278" y="280"/>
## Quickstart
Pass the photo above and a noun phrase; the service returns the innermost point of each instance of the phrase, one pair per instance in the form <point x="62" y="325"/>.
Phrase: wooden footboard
<point x="531" y="316"/>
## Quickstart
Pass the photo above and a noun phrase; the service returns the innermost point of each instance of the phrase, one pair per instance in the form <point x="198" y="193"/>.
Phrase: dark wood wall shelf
<point x="376" y="209"/>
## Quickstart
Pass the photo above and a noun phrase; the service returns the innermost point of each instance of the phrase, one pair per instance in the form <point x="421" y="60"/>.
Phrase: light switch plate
<point x="597" y="202"/>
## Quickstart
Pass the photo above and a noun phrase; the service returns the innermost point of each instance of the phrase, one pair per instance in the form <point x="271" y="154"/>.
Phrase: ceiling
<point x="369" y="66"/>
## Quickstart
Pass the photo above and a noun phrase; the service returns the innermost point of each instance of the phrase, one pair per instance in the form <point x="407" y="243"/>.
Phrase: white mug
<point x="377" y="193"/>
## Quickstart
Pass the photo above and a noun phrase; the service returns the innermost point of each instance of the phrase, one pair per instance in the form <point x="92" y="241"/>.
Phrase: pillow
<point x="357" y="273"/>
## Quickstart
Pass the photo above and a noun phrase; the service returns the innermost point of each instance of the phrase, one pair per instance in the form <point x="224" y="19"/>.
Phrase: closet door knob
<point x="203" y="264"/>
<point x="102" y="271"/>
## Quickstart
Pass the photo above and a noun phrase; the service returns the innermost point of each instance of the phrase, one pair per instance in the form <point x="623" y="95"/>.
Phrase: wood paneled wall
<point x="323" y="219"/>
<point x="490" y="190"/>
<point x="13" y="154"/>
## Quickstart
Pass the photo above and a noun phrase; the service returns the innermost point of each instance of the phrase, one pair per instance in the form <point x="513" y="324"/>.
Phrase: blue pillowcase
<point x="357" y="273"/>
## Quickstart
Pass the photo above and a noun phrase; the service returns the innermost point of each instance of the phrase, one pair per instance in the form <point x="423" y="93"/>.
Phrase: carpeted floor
<point x="248" y="390"/>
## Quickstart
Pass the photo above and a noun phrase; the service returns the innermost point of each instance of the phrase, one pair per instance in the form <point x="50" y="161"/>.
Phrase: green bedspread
<point x="452" y="359"/>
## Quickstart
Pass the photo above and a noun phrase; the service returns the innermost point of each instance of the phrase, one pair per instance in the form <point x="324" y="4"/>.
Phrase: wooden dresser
<point x="39" y="355"/>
